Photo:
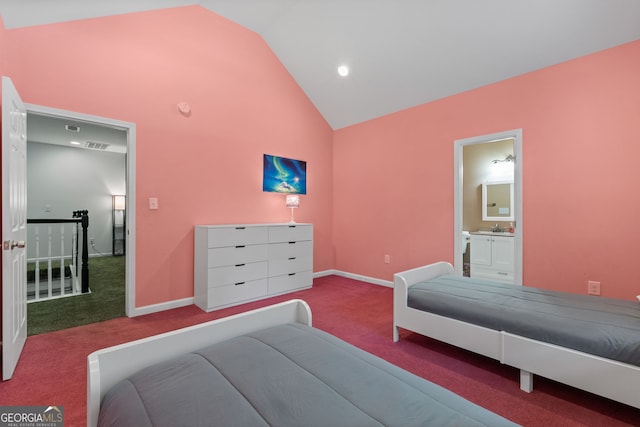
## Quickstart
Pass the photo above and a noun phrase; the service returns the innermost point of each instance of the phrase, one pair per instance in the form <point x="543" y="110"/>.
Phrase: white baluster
<point x="74" y="276"/>
<point x="47" y="256"/>
<point x="49" y="259"/>
<point x="62" y="260"/>
<point x="37" y="267"/>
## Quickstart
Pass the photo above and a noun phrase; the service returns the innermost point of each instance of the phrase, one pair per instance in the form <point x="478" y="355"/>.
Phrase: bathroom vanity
<point x="492" y="256"/>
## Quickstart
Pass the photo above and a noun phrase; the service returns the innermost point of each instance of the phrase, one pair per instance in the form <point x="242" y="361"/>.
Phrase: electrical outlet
<point x="593" y="288"/>
<point x="387" y="259"/>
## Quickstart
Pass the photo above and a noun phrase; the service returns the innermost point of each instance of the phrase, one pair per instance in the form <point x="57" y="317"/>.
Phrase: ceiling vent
<point x="72" y="128"/>
<point x="96" y="145"/>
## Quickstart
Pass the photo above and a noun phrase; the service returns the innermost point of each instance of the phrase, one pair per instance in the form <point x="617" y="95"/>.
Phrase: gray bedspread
<point x="288" y="375"/>
<point x="599" y="326"/>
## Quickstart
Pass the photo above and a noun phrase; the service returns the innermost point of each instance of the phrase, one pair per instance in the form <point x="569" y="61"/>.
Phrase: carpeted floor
<point x="52" y="370"/>
<point x="106" y="300"/>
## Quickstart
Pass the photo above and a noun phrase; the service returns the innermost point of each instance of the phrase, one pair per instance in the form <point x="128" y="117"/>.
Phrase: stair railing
<point x="60" y="267"/>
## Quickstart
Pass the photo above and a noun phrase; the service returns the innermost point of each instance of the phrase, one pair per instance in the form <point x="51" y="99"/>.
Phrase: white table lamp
<point x="293" y="201"/>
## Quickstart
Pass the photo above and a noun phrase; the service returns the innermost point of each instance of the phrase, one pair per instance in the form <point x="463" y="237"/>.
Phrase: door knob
<point x="19" y="244"/>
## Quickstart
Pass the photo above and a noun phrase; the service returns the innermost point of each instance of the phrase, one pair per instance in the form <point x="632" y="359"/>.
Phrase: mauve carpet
<point x="52" y="369"/>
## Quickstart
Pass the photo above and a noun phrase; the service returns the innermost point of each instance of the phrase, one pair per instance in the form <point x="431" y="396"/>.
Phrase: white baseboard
<point x="154" y="308"/>
<point x="359" y="277"/>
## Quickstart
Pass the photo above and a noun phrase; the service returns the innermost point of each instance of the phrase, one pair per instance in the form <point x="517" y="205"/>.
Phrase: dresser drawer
<point x="234" y="294"/>
<point x="232" y="274"/>
<point x="237" y="235"/>
<point x="290" y="249"/>
<point x="290" y="282"/>
<point x="290" y="265"/>
<point x="233" y="255"/>
<point x="290" y="233"/>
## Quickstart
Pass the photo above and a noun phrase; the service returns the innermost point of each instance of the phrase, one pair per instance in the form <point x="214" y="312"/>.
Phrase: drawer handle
<point x="292" y="258"/>
<point x="240" y="228"/>
<point x="292" y="274"/>
<point x="502" y="273"/>
<point x="240" y="246"/>
<point x="292" y="226"/>
<point x="239" y="283"/>
<point x="240" y="265"/>
<point x="292" y="243"/>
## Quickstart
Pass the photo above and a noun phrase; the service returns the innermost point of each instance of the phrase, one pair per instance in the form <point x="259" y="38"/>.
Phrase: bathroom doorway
<point x="479" y="160"/>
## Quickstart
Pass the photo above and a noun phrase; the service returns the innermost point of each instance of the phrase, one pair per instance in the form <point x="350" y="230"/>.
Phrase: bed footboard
<point x="478" y="339"/>
<point x="108" y="366"/>
<point x="404" y="280"/>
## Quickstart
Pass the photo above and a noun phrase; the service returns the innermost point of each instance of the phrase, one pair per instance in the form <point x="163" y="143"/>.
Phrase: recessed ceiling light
<point x="343" y="70"/>
<point x="74" y="143"/>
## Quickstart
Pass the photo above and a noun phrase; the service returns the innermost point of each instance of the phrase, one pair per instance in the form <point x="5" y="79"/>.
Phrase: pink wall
<point x="393" y="176"/>
<point x="2" y="49"/>
<point x="383" y="187"/>
<point x="206" y="168"/>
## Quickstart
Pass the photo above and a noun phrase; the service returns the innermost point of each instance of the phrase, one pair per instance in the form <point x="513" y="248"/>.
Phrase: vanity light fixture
<point x="503" y="168"/>
<point x="509" y="158"/>
<point x="292" y="201"/>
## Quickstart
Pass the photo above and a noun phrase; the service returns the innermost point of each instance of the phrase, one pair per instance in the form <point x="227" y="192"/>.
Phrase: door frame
<point x="458" y="211"/>
<point x="130" y="129"/>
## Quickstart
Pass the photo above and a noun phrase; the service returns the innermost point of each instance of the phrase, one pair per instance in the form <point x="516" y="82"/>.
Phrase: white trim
<point x="367" y="279"/>
<point x="458" y="145"/>
<point x="169" y="305"/>
<point x="324" y="273"/>
<point x="163" y="306"/>
<point x="130" y="129"/>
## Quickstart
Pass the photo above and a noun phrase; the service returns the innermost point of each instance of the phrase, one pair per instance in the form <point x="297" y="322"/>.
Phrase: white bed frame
<point x="604" y="377"/>
<point x="108" y="366"/>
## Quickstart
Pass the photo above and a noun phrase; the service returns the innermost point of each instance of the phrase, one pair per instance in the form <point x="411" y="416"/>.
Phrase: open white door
<point x="14" y="227"/>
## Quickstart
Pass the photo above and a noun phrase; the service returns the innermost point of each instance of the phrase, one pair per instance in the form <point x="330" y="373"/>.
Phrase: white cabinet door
<point x="480" y="250"/>
<point x="502" y="251"/>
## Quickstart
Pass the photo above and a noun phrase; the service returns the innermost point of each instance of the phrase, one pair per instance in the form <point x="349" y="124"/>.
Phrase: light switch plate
<point x="153" y="203"/>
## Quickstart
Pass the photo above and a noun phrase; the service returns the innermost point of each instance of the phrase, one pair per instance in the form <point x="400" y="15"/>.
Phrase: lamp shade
<point x="293" y="201"/>
<point x="119" y="203"/>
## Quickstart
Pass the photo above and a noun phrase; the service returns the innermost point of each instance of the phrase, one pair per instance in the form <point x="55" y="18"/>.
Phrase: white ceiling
<point x="402" y="53"/>
<point x="47" y="129"/>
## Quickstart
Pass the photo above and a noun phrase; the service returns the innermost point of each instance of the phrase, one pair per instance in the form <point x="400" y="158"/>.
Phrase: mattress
<point x="604" y="327"/>
<point x="287" y="375"/>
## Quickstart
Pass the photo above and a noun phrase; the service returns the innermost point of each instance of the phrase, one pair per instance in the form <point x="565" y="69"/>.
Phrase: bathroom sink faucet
<point x="496" y="228"/>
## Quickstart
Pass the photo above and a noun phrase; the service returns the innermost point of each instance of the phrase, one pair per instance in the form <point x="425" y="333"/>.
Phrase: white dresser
<point x="234" y="264"/>
<point x="492" y="257"/>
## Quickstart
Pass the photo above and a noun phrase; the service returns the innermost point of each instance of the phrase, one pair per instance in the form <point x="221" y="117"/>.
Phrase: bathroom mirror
<point x="497" y="201"/>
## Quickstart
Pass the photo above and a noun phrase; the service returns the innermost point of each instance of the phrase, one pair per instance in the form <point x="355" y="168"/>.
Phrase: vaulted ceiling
<point x="401" y="53"/>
